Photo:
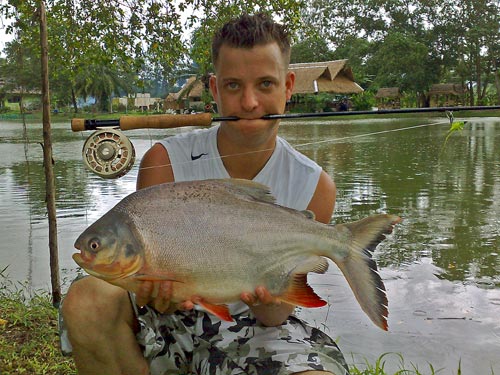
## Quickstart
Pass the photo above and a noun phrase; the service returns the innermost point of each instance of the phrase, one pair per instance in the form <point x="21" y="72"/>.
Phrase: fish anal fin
<point x="220" y="311"/>
<point x="300" y="293"/>
<point x="314" y="264"/>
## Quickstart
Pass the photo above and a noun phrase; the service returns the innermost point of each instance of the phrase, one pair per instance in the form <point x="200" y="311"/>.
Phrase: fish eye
<point x="94" y="244"/>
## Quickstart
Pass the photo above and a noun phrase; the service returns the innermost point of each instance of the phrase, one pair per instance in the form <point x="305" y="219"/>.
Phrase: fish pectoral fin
<point x="220" y="311"/>
<point x="300" y="293"/>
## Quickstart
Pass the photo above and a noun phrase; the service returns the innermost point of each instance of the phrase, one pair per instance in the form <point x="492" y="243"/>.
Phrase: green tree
<point x="21" y="71"/>
<point x="137" y="34"/>
<point x="101" y="82"/>
<point x="461" y="39"/>
<point x="311" y="49"/>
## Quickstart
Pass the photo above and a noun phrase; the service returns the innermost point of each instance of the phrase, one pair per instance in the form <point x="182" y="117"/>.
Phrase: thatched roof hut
<point x="446" y="89"/>
<point x="388" y="92"/>
<point x="327" y="76"/>
<point x="173" y="102"/>
<point x="388" y="97"/>
<point x="192" y="89"/>
<point x="446" y="94"/>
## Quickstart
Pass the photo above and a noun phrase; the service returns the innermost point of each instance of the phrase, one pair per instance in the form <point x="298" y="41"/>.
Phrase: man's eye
<point x="266" y="84"/>
<point x="233" y="85"/>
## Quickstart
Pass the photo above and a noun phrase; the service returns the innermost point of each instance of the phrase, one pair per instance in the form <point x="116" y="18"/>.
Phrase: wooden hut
<point x="388" y="98"/>
<point x="173" y="103"/>
<point x="446" y="95"/>
<point x="328" y="76"/>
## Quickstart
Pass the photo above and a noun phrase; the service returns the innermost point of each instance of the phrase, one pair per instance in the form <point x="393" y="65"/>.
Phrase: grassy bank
<point x="29" y="341"/>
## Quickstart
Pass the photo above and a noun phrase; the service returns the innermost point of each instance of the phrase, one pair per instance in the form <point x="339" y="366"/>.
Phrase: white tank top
<point x="291" y="176"/>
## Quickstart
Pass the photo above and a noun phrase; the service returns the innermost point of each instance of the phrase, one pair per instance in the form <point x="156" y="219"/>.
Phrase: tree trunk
<point x="73" y="99"/>
<point x="48" y="160"/>
<point x="497" y="85"/>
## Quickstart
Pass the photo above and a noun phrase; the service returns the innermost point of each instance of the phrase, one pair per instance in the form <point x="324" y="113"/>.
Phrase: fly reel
<point x="108" y="153"/>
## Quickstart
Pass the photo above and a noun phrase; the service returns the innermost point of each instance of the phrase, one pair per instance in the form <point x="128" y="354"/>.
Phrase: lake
<point x="441" y="265"/>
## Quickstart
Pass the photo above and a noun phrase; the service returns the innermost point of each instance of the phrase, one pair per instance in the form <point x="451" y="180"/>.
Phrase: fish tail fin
<point x="360" y="269"/>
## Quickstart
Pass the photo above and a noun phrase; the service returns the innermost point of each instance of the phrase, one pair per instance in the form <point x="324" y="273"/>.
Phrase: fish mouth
<point x="109" y="269"/>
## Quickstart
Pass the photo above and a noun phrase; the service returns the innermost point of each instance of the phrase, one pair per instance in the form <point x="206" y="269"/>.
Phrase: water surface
<point x="441" y="265"/>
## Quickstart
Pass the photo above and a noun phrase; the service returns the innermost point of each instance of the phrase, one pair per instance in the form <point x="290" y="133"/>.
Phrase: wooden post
<point x="50" y="195"/>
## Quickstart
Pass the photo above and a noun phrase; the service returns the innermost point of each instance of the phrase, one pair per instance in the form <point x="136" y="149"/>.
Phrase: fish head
<point x="110" y="248"/>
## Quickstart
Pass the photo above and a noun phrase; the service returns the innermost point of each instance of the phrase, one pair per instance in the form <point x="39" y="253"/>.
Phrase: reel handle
<point x="143" y="122"/>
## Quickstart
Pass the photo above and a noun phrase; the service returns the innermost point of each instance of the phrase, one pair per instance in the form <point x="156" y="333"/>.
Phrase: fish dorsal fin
<point x="248" y="189"/>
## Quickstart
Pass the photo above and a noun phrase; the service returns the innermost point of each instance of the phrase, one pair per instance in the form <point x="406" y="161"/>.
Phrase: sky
<point x="4" y="38"/>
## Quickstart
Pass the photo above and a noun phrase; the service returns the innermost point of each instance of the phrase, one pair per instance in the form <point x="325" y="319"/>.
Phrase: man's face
<point x="251" y="83"/>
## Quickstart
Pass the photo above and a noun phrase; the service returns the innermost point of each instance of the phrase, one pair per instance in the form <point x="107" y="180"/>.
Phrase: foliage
<point x="413" y="44"/>
<point x="100" y="82"/>
<point x="311" y="49"/>
<point x="363" y="101"/>
<point x="29" y="342"/>
<point x="142" y="39"/>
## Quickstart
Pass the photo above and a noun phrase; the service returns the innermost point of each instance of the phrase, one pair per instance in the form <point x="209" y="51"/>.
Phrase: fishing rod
<point x="206" y="119"/>
<point x="109" y="153"/>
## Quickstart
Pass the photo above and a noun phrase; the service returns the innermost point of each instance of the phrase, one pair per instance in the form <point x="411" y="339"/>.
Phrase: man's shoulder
<point x="292" y="154"/>
<point x="190" y="136"/>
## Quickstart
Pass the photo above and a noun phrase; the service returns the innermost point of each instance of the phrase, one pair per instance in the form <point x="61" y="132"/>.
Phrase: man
<point x="111" y="335"/>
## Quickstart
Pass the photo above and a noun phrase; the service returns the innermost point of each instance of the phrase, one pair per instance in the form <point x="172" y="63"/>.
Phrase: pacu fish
<point x="218" y="238"/>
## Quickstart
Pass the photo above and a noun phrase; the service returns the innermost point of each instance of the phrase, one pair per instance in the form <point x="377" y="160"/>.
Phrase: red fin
<point x="301" y="294"/>
<point x="220" y="311"/>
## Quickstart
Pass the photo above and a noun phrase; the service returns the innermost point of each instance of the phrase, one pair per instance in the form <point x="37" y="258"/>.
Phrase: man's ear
<point x="289" y="84"/>
<point x="213" y="87"/>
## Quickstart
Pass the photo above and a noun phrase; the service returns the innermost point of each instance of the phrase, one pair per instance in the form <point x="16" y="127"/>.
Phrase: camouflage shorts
<point x="195" y="342"/>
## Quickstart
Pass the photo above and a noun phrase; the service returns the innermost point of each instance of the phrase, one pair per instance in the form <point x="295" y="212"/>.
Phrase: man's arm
<point x="268" y="309"/>
<point x="155" y="168"/>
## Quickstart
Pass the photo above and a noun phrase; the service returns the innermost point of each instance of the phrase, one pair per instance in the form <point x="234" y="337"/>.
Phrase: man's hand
<point x="162" y="302"/>
<point x="269" y="310"/>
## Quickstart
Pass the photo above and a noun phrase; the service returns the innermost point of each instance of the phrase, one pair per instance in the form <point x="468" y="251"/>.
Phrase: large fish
<point x="218" y="238"/>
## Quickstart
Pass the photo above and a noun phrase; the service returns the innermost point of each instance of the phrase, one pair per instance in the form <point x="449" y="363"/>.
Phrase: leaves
<point x="454" y="127"/>
<point x="146" y="38"/>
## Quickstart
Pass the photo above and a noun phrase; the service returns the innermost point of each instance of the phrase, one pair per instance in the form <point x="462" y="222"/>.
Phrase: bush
<point x="363" y="102"/>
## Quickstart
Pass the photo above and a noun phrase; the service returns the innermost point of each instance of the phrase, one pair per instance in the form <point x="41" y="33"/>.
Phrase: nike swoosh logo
<point x="193" y="157"/>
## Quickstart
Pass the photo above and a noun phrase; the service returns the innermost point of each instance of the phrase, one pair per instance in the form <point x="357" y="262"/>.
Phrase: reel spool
<point x="108" y="153"/>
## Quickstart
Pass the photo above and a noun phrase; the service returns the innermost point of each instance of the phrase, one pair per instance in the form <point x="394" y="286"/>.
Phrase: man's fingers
<point x="248" y="298"/>
<point x="143" y="296"/>
<point x="186" y="305"/>
<point x="162" y="301"/>
<point x="265" y="297"/>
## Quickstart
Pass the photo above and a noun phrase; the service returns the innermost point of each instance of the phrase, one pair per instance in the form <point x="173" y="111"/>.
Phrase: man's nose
<point x="249" y="100"/>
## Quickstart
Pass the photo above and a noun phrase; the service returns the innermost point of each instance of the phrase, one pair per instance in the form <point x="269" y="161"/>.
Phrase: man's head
<point x="249" y="31"/>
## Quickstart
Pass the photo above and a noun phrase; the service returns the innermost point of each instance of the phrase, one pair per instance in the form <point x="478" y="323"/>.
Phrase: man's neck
<point x="242" y="161"/>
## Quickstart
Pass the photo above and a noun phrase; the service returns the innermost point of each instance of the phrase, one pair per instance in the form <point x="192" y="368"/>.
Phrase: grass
<point x="29" y="341"/>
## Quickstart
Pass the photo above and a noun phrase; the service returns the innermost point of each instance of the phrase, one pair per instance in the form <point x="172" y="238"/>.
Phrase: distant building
<point x="334" y="77"/>
<point x="446" y="95"/>
<point x="172" y="102"/>
<point x="327" y="76"/>
<point x="388" y="98"/>
<point x="145" y="102"/>
<point x="142" y="101"/>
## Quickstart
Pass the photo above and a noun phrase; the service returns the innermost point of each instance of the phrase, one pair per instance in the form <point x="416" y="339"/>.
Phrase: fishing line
<point x="335" y="140"/>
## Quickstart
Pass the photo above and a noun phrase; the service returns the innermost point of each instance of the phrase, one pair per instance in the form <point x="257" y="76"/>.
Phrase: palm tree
<point x="101" y="82"/>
